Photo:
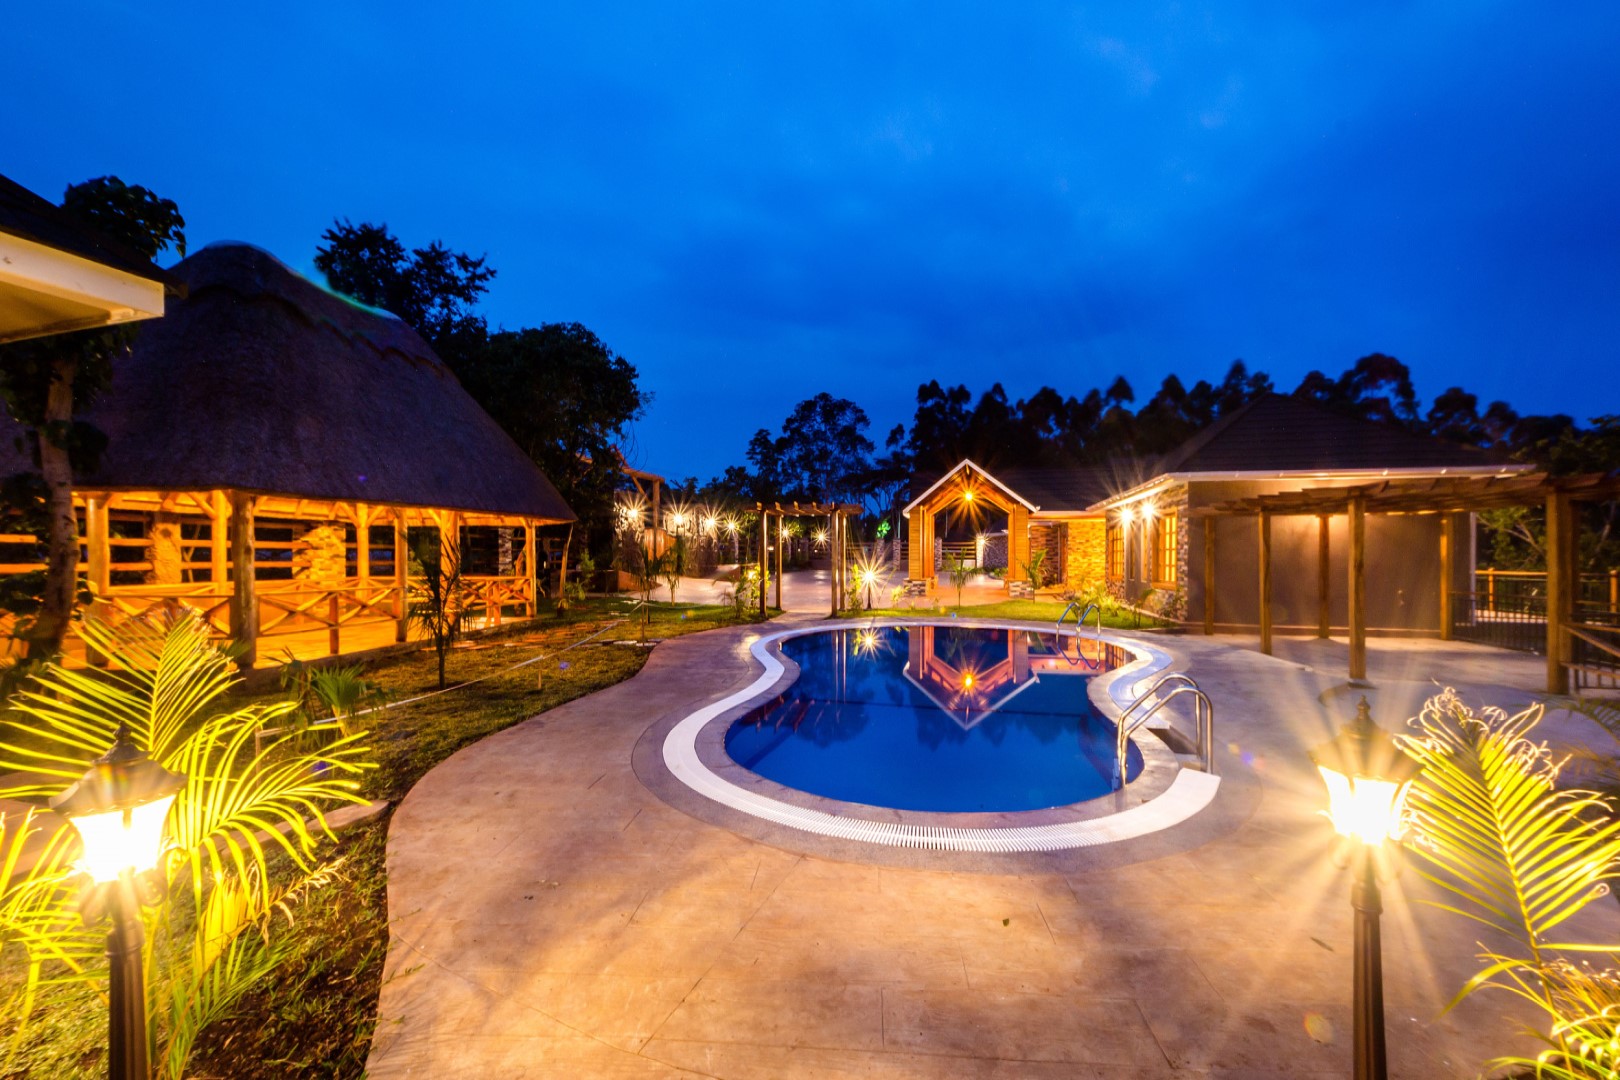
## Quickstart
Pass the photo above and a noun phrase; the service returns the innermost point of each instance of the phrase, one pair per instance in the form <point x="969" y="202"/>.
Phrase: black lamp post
<point x="119" y="807"/>
<point x="1367" y="778"/>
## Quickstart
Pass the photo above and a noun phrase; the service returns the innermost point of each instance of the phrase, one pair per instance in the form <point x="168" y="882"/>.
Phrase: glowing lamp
<point x="1126" y="515"/>
<point x="868" y="577"/>
<point x="119" y="807"/>
<point x="709" y="524"/>
<point x="1367" y="778"/>
<point x="967" y="680"/>
<point x="967" y="495"/>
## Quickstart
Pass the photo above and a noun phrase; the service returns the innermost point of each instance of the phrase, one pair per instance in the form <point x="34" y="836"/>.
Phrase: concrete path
<point x="552" y="917"/>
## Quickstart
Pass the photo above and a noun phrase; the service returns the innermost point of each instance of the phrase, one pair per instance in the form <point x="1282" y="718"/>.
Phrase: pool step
<point x="1190" y="761"/>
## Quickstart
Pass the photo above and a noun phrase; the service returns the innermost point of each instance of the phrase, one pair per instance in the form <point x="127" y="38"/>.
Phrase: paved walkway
<point x="552" y="917"/>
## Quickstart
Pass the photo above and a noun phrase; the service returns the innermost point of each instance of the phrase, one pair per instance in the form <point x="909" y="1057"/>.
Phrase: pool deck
<point x="552" y="916"/>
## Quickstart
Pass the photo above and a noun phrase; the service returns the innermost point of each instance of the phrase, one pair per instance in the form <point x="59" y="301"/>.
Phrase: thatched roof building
<point x="269" y="445"/>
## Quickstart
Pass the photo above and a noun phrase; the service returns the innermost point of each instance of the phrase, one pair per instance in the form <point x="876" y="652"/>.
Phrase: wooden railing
<point x="1507" y="590"/>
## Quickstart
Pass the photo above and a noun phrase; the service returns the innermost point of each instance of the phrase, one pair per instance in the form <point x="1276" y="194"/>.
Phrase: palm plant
<point x="1517" y="854"/>
<point x="649" y="569"/>
<point x="960" y="571"/>
<point x="329" y="695"/>
<point x="213" y="940"/>
<point x="1032" y="568"/>
<point x="439" y="601"/>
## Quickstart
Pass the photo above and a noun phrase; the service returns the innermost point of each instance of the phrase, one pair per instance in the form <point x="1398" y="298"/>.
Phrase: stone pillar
<point x="322" y="560"/>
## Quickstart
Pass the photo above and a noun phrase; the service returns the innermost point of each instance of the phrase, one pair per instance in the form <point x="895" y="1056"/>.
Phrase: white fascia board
<point x="1152" y="487"/>
<point x="966" y="463"/>
<point x="43" y="273"/>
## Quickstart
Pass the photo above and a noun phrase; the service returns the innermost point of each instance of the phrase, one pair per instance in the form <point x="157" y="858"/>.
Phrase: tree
<point x="825" y="452"/>
<point x="433" y="290"/>
<point x="1377" y="387"/>
<point x="438" y="598"/>
<point x="566" y="399"/>
<point x="44" y="381"/>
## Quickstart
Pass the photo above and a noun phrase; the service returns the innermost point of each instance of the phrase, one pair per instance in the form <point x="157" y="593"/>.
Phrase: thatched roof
<point x="262" y="381"/>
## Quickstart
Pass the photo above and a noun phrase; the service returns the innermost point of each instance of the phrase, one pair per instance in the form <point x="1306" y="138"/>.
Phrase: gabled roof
<point x="262" y="381"/>
<point x="1278" y="434"/>
<point x="967" y="464"/>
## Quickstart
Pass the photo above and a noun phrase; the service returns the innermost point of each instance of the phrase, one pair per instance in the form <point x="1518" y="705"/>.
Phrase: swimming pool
<point x="937" y="718"/>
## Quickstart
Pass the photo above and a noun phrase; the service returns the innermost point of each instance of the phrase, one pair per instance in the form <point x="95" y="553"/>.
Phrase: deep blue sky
<point x="755" y="204"/>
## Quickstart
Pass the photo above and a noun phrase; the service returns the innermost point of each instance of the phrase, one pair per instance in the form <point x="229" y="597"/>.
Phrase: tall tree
<point x="433" y="289"/>
<point x="826" y="454"/>
<point x="566" y="399"/>
<point x="45" y="380"/>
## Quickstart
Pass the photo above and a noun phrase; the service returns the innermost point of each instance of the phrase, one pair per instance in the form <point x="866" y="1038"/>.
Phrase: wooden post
<point x="219" y="544"/>
<point x="244" y="600"/>
<point x="653" y="545"/>
<point x="449" y="537"/>
<point x="1357" y="596"/>
<point x="98" y="559"/>
<point x="334" y="612"/>
<point x="1265" y="582"/>
<point x="832" y="559"/>
<point x="1445" y="576"/>
<point x="1324" y="588"/>
<point x="1560" y="589"/>
<point x="1490" y="588"/>
<point x="402" y="573"/>
<point x="764" y="564"/>
<point x="1209" y="573"/>
<point x="781" y="526"/>
<point x="362" y="544"/>
<point x="1614" y="592"/>
<point x="532" y="566"/>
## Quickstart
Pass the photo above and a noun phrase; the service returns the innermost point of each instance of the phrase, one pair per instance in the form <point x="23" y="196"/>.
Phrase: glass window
<point x="1164" y="550"/>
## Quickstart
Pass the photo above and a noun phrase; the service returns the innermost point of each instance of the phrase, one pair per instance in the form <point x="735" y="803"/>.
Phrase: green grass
<point x="1044" y="611"/>
<point x="314" y="1016"/>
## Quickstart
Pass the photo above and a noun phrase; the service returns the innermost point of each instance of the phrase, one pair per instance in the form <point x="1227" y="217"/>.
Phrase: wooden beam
<point x="362" y="543"/>
<point x="1324" y="588"/>
<point x="402" y="575"/>
<point x="219" y="543"/>
<point x="98" y="559"/>
<point x="1560" y="589"/>
<point x="533" y="568"/>
<point x="1265" y="583"/>
<point x="244" y="610"/>
<point x="764" y="565"/>
<point x="1209" y="572"/>
<point x="781" y="526"/>
<point x="1445" y="576"/>
<point x="1357" y="597"/>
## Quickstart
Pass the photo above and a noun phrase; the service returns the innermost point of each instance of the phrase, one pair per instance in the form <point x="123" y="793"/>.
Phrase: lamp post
<point x="1367" y="778"/>
<point x="119" y="807"/>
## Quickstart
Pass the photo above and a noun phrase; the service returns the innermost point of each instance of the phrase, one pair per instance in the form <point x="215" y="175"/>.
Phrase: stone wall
<point x="1086" y="553"/>
<point x="1046" y="538"/>
<point x="995" y="552"/>
<point x="321" y="559"/>
<point x="164" y="550"/>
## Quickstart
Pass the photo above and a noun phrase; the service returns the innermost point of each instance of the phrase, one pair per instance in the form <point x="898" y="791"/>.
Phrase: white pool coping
<point x="1187" y="794"/>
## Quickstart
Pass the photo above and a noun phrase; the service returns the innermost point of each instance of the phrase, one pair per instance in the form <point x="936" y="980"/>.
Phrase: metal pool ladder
<point x="1080" y="623"/>
<point x="1157" y="697"/>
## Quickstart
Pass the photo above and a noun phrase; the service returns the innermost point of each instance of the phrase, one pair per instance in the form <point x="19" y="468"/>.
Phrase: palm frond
<point x="1518" y="854"/>
<point x="1584" y="1002"/>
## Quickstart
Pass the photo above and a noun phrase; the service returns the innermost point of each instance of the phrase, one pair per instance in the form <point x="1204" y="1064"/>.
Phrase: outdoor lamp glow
<point x="1367" y="778"/>
<point x="1126" y="514"/>
<point x="967" y="495"/>
<point x="119" y="807"/>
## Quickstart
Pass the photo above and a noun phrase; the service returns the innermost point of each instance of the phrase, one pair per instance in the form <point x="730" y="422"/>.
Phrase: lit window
<point x="1164" y="550"/>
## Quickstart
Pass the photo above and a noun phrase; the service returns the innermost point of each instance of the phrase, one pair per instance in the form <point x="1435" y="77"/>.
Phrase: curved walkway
<point x="554" y="917"/>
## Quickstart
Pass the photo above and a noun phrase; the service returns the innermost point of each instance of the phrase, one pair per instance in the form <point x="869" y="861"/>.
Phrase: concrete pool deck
<point x="552" y="916"/>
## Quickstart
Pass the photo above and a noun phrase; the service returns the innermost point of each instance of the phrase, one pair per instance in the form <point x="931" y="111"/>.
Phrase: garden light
<point x="1367" y="778"/>
<point x="119" y="807"/>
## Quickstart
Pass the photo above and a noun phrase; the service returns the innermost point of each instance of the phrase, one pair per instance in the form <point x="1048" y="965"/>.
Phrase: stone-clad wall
<point x="1046" y="537"/>
<point x="322" y="560"/>
<point x="1086" y="553"/>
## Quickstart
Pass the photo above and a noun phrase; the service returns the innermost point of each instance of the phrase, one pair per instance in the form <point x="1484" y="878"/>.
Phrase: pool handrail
<point x="1080" y="623"/>
<point x="1203" y="720"/>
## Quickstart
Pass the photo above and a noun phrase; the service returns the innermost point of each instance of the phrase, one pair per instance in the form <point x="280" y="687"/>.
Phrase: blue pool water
<point x="936" y="718"/>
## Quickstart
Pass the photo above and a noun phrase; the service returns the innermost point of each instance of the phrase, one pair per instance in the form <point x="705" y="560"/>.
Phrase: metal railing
<point x="1519" y="622"/>
<point x="1080" y="623"/>
<point x="1180" y="683"/>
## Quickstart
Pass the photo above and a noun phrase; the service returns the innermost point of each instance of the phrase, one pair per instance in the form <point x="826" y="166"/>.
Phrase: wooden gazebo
<point x="271" y="443"/>
<point x="1441" y="495"/>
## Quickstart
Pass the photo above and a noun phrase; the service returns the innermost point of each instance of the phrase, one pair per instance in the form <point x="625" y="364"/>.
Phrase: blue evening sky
<point x="754" y="202"/>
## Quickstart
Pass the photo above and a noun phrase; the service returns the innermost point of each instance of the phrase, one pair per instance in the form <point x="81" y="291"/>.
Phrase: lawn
<point x="314" y="1016"/>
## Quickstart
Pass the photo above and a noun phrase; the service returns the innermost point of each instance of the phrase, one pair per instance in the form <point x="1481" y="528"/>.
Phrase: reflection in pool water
<point x="937" y="718"/>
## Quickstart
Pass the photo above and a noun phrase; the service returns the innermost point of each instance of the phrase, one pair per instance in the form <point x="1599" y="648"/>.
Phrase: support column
<point x="764" y="555"/>
<point x="1445" y="576"/>
<point x="244" y="600"/>
<point x="562" y="566"/>
<point x="532" y="570"/>
<point x="781" y="525"/>
<point x="1560" y="589"/>
<point x="362" y="544"/>
<point x="1357" y="596"/>
<point x="402" y="573"/>
<point x="219" y="544"/>
<point x="832" y="558"/>
<point x="1324" y="588"/>
<point x="1265" y="582"/>
<point x="98" y="564"/>
<point x="657" y="515"/>
<point x="1209" y="573"/>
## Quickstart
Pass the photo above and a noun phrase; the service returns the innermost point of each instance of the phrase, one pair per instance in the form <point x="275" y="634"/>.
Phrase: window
<point x="1164" y="550"/>
<point x="1114" y="552"/>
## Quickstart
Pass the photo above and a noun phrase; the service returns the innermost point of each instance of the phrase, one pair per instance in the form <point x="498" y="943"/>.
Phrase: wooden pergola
<point x="1439" y="495"/>
<point x="837" y="540"/>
